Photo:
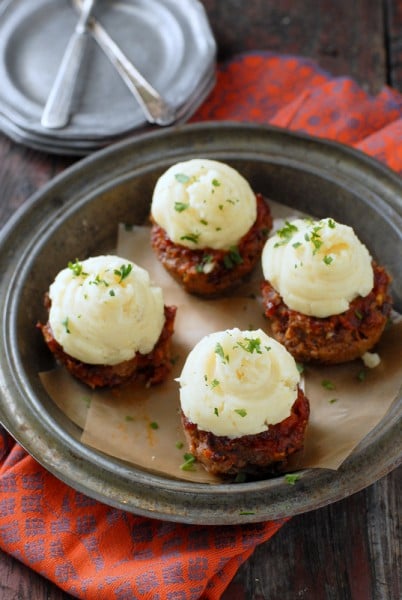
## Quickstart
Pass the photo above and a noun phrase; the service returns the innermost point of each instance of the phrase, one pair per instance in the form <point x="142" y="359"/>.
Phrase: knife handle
<point x="56" y="113"/>
<point x="155" y="108"/>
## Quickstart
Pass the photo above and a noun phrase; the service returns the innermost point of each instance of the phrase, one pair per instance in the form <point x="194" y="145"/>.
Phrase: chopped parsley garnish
<point x="331" y="223"/>
<point x="99" y="281"/>
<point x="182" y="178"/>
<point x="247" y="512"/>
<point x="154" y="425"/>
<point x="76" y="268"/>
<point x="220" y="352"/>
<point x="216" y="183"/>
<point x="189" y="460"/>
<point x="87" y="401"/>
<point x="128" y="418"/>
<point x="191" y="237"/>
<point x="286" y="233"/>
<point x="124" y="271"/>
<point x="327" y="259"/>
<point x="216" y="412"/>
<point x="300" y="367"/>
<point x="316" y="238"/>
<point x="241" y="411"/>
<point x="112" y="293"/>
<point x="291" y="478"/>
<point x="179" y="445"/>
<point x="206" y="259"/>
<point x="252" y="345"/>
<point x="327" y="384"/>
<point x="361" y="376"/>
<point x="180" y="206"/>
<point x="214" y="383"/>
<point x="333" y="400"/>
<point x="65" y="325"/>
<point x="232" y="258"/>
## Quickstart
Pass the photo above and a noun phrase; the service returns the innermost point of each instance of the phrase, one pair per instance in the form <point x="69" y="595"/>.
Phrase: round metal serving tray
<point x="77" y="214"/>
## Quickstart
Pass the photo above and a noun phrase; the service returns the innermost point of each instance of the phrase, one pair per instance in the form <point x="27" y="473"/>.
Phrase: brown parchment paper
<point x="142" y="426"/>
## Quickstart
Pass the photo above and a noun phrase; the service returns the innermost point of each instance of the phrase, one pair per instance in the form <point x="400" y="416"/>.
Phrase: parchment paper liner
<point x="142" y="426"/>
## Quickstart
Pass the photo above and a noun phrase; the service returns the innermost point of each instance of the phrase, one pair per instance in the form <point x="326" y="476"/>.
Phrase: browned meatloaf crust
<point x="257" y="455"/>
<point x="153" y="367"/>
<point x="335" y="339"/>
<point x="186" y="265"/>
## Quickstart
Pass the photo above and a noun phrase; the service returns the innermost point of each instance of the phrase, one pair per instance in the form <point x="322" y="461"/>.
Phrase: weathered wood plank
<point x="349" y="550"/>
<point x="393" y="12"/>
<point x="346" y="38"/>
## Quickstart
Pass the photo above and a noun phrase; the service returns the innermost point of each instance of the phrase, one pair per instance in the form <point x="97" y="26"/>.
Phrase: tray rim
<point x="148" y="503"/>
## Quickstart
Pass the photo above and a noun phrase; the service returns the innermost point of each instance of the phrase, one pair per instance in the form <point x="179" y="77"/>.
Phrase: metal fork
<point x="155" y="108"/>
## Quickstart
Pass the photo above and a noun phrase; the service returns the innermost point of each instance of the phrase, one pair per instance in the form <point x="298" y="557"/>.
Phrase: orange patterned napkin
<point x="100" y="553"/>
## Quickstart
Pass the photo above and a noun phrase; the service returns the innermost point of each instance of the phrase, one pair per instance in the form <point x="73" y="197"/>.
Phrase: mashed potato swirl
<point x="203" y="203"/>
<point x="237" y="383"/>
<point x="104" y="310"/>
<point x="318" y="267"/>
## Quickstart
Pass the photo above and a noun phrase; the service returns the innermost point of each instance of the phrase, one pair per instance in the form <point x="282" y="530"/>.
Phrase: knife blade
<point x="154" y="107"/>
<point x="57" y="111"/>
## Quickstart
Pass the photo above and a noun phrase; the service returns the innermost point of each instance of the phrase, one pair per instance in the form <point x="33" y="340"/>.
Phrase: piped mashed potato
<point x="318" y="267"/>
<point x="105" y="309"/>
<point x="203" y="203"/>
<point x="237" y="383"/>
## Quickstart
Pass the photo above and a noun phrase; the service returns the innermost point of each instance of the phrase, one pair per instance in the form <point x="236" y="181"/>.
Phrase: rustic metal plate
<point x="169" y="41"/>
<point x="76" y="214"/>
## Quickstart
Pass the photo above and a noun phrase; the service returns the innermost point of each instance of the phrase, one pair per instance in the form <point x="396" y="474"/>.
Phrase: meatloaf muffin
<point x="209" y="227"/>
<point x="325" y="298"/>
<point x="107" y="324"/>
<point x="242" y="408"/>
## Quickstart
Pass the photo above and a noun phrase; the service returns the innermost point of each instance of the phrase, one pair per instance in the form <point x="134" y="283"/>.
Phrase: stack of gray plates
<point x="169" y="41"/>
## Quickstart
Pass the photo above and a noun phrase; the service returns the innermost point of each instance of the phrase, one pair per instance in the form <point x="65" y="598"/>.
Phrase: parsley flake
<point x="206" y="259"/>
<point x="191" y="237"/>
<point x="180" y="206"/>
<point x="327" y="384"/>
<point x="286" y="233"/>
<point x="251" y="345"/>
<point x="241" y="411"/>
<point x="65" y="325"/>
<point x="361" y="376"/>
<point x="189" y="460"/>
<point x="291" y="478"/>
<point x="220" y="352"/>
<point x="123" y="272"/>
<point x="182" y="178"/>
<point x="76" y="268"/>
<point x="232" y="258"/>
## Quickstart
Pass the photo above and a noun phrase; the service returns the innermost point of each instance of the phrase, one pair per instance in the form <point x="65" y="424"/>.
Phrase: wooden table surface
<point x="351" y="549"/>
